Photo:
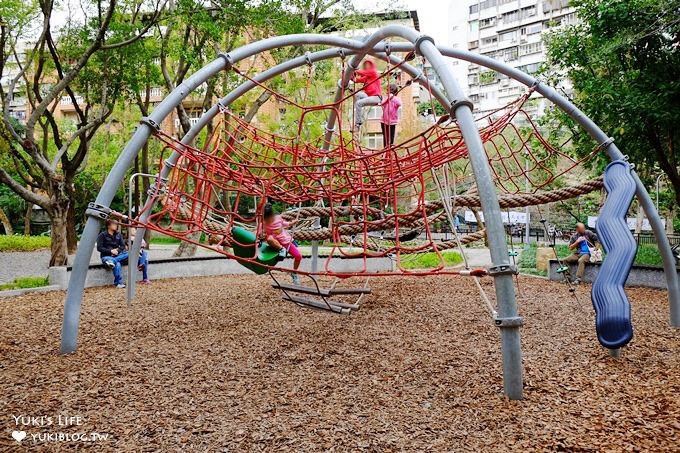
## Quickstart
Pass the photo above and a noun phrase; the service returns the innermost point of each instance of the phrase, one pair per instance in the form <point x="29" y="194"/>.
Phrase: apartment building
<point x="511" y="31"/>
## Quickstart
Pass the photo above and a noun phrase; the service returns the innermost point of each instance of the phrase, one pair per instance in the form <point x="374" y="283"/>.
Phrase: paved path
<point x="34" y="264"/>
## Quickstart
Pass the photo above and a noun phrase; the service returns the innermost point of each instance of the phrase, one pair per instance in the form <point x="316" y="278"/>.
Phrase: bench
<point x="199" y="266"/>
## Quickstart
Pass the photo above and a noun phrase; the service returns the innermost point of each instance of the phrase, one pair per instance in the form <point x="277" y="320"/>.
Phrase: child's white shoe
<point x="296" y="279"/>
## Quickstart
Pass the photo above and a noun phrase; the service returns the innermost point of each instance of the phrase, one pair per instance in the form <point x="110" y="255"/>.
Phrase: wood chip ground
<point x="221" y="364"/>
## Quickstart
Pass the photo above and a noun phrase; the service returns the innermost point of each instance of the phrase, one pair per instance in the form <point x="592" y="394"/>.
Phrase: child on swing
<point x="279" y="238"/>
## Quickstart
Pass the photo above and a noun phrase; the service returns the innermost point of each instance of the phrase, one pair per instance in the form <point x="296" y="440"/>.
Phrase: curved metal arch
<point x="459" y="107"/>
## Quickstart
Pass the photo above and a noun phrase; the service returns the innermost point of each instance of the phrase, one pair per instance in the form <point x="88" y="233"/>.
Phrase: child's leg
<point x="358" y="108"/>
<point x="274" y="243"/>
<point x="295" y="253"/>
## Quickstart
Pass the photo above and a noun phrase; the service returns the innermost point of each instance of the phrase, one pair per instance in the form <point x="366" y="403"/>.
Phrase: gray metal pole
<point x="527" y="225"/>
<point x="508" y="319"/>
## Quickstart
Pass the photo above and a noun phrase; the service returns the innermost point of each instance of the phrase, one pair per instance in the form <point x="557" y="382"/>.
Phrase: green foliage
<point x="164" y="240"/>
<point x="648" y="255"/>
<point x="425" y="108"/>
<point x="527" y="259"/>
<point x="431" y="260"/>
<point x="12" y="204"/>
<point x="18" y="243"/>
<point x="25" y="282"/>
<point x="624" y="62"/>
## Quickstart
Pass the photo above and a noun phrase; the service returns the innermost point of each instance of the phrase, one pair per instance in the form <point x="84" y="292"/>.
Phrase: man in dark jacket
<point x="113" y="251"/>
<point x="581" y="243"/>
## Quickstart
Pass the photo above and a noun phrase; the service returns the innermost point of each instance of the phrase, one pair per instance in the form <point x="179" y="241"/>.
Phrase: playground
<point x="215" y="364"/>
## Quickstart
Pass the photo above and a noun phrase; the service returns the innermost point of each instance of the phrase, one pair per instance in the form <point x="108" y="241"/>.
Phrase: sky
<point x="433" y="14"/>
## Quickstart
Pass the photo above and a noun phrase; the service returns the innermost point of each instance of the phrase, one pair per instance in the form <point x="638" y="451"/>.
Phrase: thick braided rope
<point x="413" y="219"/>
<point x="441" y="246"/>
<point x="470" y="201"/>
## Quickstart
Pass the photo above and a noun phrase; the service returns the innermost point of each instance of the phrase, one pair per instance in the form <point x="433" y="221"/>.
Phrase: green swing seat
<point x="244" y="245"/>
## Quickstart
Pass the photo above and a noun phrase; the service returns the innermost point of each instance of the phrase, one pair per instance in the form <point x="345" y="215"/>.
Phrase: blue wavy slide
<point x="612" y="308"/>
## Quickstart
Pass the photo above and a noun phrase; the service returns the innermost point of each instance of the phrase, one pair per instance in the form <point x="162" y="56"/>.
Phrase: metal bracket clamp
<point x="502" y="269"/>
<point x="221" y="107"/>
<point x="328" y="129"/>
<point x="387" y="48"/>
<point x="151" y="123"/>
<point x="98" y="211"/>
<point x="605" y="144"/>
<point x="419" y="42"/>
<point x="308" y="59"/>
<point x="460" y="103"/>
<point x="160" y="187"/>
<point x="516" y="321"/>
<point x="228" y="60"/>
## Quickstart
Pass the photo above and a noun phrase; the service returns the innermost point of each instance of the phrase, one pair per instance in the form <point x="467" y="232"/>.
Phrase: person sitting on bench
<point x="113" y="251"/>
<point x="580" y="243"/>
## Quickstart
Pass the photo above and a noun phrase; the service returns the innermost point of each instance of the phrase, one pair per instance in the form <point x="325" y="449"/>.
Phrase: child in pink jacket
<point x="278" y="237"/>
<point x="390" y="116"/>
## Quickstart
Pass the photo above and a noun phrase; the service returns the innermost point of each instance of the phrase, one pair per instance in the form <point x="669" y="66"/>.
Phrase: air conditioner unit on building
<point x="505" y="82"/>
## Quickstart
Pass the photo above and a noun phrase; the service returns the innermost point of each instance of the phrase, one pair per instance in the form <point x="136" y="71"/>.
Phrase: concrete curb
<point x="22" y="291"/>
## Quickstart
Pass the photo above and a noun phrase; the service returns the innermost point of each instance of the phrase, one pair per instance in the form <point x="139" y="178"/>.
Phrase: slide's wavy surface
<point x="612" y="307"/>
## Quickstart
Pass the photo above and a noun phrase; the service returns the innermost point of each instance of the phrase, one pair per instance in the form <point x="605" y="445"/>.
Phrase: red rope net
<point x="370" y="194"/>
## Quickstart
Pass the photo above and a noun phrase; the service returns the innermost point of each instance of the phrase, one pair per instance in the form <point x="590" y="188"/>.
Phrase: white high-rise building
<point x="512" y="31"/>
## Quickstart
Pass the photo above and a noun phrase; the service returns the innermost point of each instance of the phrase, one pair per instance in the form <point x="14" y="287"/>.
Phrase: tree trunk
<point x="71" y="236"/>
<point x="639" y="218"/>
<point x="186" y="248"/>
<point x="669" y="220"/>
<point x="59" y="221"/>
<point x="6" y="223"/>
<point x="27" y="218"/>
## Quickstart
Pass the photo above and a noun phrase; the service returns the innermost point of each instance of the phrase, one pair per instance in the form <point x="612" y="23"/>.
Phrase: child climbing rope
<point x="279" y="238"/>
<point x="390" y="116"/>
<point x="369" y="95"/>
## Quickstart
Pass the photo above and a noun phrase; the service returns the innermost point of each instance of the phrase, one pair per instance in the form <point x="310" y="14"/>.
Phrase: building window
<point x="373" y="140"/>
<point x="531" y="29"/>
<point x="527" y="49"/>
<point x="374" y="113"/>
<point x="473" y="45"/>
<point x="508" y="36"/>
<point x="474" y="26"/>
<point x="490" y="40"/>
<point x="486" y="23"/>
<point x="474" y="8"/>
<point x="488" y="77"/>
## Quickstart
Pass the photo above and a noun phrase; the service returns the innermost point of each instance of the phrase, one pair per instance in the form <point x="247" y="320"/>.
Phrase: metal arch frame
<point x="460" y="107"/>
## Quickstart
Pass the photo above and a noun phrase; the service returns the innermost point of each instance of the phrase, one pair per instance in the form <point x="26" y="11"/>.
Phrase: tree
<point x="623" y="60"/>
<point x="85" y="63"/>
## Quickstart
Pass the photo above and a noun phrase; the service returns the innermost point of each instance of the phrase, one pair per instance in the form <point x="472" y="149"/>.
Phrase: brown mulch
<point x="221" y="364"/>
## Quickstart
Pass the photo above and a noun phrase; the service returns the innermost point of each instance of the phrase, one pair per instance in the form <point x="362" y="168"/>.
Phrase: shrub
<point x="20" y="243"/>
<point x="648" y="255"/>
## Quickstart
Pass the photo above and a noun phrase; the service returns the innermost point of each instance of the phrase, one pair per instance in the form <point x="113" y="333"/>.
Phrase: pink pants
<point x="293" y="251"/>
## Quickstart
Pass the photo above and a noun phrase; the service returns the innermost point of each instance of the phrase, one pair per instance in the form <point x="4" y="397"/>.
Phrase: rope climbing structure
<point x="361" y="202"/>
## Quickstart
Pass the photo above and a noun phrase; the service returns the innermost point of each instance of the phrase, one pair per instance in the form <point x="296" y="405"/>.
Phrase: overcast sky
<point x="433" y="14"/>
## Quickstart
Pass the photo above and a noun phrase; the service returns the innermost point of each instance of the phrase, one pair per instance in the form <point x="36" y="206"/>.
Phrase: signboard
<point x="632" y="222"/>
<point x="514" y="217"/>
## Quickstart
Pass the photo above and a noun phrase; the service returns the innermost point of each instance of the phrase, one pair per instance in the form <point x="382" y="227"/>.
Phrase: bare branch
<point x="68" y="78"/>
